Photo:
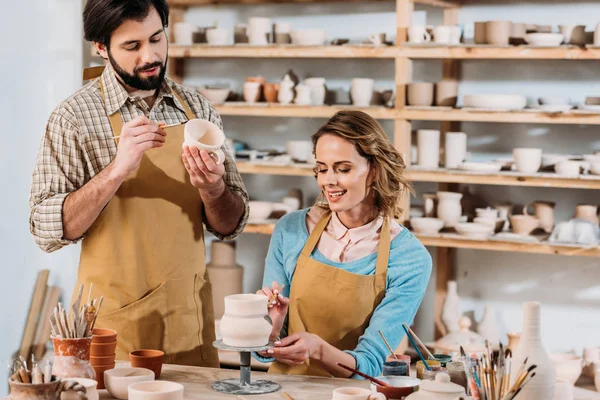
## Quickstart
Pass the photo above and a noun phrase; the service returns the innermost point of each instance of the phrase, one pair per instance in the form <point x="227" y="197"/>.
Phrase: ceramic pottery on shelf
<point x="244" y="323"/>
<point x="542" y="385"/>
<point x="451" y="312"/>
<point x="488" y="328"/>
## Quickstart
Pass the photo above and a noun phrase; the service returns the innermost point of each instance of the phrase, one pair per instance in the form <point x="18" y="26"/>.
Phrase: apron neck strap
<point x="314" y="237"/>
<point x="115" y="118"/>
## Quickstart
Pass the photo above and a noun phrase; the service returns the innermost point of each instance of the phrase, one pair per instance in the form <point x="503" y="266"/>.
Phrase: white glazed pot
<point x="449" y="208"/>
<point x="244" y="323"/>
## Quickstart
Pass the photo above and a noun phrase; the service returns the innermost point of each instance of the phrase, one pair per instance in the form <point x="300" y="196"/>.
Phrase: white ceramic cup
<point x="303" y="95"/>
<point x="362" y="91"/>
<point x="251" y="91"/>
<point x="205" y="136"/>
<point x="183" y="32"/>
<point x="283" y="27"/>
<point x="350" y="393"/>
<point x="455" y="149"/>
<point x="567" y="168"/>
<point x="217" y="36"/>
<point x="375" y="39"/>
<point x="258" y="28"/>
<point x="527" y="161"/>
<point x="418" y="34"/>
<point x="446" y="34"/>
<point x="428" y="147"/>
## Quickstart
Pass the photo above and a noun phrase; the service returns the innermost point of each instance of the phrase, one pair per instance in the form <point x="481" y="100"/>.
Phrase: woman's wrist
<point x="318" y="349"/>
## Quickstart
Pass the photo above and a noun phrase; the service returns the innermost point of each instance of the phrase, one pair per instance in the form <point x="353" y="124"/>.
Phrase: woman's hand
<point x="278" y="308"/>
<point x="297" y="348"/>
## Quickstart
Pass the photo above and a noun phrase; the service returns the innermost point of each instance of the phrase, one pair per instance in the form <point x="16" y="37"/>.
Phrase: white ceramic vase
<point x="455" y="149"/>
<point x="488" y="328"/>
<point x="451" y="312"/>
<point x="244" y="324"/>
<point x="542" y="385"/>
<point x="286" y="90"/>
<point x="428" y="147"/>
<point x="449" y="208"/>
<point x="361" y="91"/>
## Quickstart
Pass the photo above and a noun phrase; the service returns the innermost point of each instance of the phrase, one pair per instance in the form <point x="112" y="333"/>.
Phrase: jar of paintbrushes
<point x="72" y="337"/>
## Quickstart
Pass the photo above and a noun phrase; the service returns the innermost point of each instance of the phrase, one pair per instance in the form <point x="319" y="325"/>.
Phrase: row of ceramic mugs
<point x="502" y="33"/>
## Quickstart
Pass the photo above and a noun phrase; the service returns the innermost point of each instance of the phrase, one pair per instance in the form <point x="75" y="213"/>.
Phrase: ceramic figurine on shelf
<point x="286" y="90"/>
<point x="451" y="312"/>
<point x="488" y="328"/>
<point x="542" y="385"/>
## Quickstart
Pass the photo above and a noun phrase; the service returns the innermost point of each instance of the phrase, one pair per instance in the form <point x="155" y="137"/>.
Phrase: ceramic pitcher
<point x="449" y="208"/>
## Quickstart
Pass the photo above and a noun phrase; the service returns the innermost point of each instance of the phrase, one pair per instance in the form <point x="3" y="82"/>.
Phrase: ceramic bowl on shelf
<point x="592" y="158"/>
<point x="554" y="101"/>
<point x="592" y="101"/>
<point x="214" y="95"/>
<point x="259" y="210"/>
<point x="496" y="224"/>
<point x="474" y="230"/>
<point x="308" y="37"/>
<point x="544" y="39"/>
<point x="117" y="380"/>
<point x="495" y="101"/>
<point x="568" y="366"/>
<point x="300" y="150"/>
<point x="549" y="160"/>
<point x="426" y="226"/>
<point x="480" y="166"/>
<point x="155" y="390"/>
<point x="595" y="168"/>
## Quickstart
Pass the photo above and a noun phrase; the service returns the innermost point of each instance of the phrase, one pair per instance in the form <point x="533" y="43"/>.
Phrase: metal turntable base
<point x="244" y="385"/>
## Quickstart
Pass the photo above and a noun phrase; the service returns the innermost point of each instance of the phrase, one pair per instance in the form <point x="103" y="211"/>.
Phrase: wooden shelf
<point x="535" y="248"/>
<point x="467" y="52"/>
<point x="548" y="180"/>
<point x="246" y="51"/>
<point x="276" y="110"/>
<point x="194" y="3"/>
<point x="461" y="115"/>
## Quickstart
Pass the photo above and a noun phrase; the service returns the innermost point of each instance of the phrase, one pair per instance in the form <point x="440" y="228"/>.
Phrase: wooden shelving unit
<point x="403" y="55"/>
<point x="493" y="245"/>
<point x="449" y="176"/>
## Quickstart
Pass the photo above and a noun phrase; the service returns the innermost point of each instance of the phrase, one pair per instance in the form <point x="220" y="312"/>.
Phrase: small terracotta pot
<point x="79" y="348"/>
<point x="270" y="91"/>
<point x="108" y="360"/>
<point x="102" y="335"/>
<point x="258" y="79"/>
<point x="100" y="373"/>
<point x="150" y="359"/>
<point x="103" y="349"/>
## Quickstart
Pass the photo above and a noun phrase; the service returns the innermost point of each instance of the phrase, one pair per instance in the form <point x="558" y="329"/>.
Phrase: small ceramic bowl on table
<point x="155" y="390"/>
<point x="402" y="386"/>
<point x="117" y="380"/>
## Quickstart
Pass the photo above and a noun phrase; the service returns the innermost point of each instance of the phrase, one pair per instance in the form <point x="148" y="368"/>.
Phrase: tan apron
<point x="334" y="304"/>
<point x="145" y="255"/>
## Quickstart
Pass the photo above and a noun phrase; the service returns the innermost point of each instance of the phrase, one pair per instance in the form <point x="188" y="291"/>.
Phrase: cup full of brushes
<point x="72" y="338"/>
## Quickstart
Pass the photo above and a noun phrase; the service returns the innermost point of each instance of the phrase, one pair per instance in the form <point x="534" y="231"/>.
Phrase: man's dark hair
<point x="102" y="17"/>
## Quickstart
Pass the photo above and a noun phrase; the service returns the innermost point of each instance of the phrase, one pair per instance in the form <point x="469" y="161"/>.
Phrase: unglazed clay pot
<point x="149" y="359"/>
<point x="244" y="323"/>
<point x="72" y="358"/>
<point x="43" y="391"/>
<point x="271" y="90"/>
<point x="449" y="208"/>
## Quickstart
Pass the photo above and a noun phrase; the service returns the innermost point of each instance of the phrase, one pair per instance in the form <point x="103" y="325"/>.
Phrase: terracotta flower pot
<point x="107" y="360"/>
<point x="79" y="348"/>
<point x="103" y="349"/>
<point x="150" y="359"/>
<point x="102" y="335"/>
<point x="100" y="373"/>
<point x="270" y="91"/>
<point x="72" y="358"/>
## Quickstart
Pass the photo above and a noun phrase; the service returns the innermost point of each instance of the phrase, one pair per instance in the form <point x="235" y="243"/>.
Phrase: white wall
<point x="43" y="68"/>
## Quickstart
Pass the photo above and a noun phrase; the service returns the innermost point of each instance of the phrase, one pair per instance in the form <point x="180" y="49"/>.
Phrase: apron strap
<point x="115" y="119"/>
<point x="314" y="237"/>
<point x="383" y="256"/>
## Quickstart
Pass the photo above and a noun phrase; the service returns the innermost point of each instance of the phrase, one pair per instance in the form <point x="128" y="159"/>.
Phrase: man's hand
<point x="137" y="136"/>
<point x="205" y="173"/>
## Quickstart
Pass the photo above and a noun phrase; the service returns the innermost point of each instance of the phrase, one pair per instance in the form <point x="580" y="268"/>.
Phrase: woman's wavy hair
<point x="371" y="142"/>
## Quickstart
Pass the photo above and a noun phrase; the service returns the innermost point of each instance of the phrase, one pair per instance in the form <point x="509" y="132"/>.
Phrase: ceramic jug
<point x="317" y="90"/>
<point x="303" y="95"/>
<point x="449" y="208"/>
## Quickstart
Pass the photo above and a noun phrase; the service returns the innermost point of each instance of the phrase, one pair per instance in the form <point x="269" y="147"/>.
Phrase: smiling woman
<point x="344" y="267"/>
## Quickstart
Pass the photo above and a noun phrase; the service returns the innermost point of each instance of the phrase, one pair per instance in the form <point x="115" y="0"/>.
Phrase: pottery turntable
<point x="244" y="385"/>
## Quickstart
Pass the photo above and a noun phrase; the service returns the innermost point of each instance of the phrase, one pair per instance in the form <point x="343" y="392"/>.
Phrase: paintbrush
<point x="273" y="298"/>
<point x="388" y="345"/>
<point x="417" y="349"/>
<point x="162" y="126"/>
<point x="370" y="378"/>
<point x="414" y="335"/>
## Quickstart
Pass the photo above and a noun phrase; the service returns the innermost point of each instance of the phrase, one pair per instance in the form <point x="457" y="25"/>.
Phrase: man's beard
<point x="136" y="81"/>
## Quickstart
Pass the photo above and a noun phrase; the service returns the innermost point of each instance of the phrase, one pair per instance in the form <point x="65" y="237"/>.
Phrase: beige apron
<point x="145" y="255"/>
<point x="332" y="303"/>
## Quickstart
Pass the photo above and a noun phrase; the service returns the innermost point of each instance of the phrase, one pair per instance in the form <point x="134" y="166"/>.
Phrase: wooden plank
<point x="482" y="52"/>
<point x="492" y="245"/>
<point x="276" y="110"/>
<point x="33" y="316"/>
<point x="445" y="271"/>
<point x="175" y="66"/>
<point x="449" y="176"/>
<point x="43" y="332"/>
<point x="44" y="329"/>
<point x="191" y="3"/>
<point x="404" y="12"/>
<point x="462" y="115"/>
<point x="281" y="51"/>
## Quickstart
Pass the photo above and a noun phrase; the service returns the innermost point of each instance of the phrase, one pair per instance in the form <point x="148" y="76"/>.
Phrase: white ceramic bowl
<point x="156" y="390"/>
<point x="259" y="210"/>
<point x="595" y="168"/>
<point x="502" y="101"/>
<point x="215" y="96"/>
<point x="480" y="166"/>
<point x="474" y="230"/>
<point x="544" y="39"/>
<point x="300" y="150"/>
<point x="308" y="37"/>
<point x="117" y="380"/>
<point x="592" y="158"/>
<point x="568" y="366"/>
<point x="548" y="160"/>
<point x="554" y="101"/>
<point x="426" y="226"/>
<point x="496" y="224"/>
